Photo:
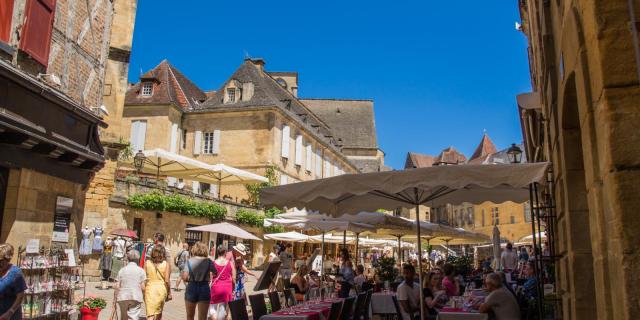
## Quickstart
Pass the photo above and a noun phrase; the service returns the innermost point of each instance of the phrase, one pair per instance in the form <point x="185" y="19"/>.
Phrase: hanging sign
<point x="33" y="246"/>
<point x="62" y="219"/>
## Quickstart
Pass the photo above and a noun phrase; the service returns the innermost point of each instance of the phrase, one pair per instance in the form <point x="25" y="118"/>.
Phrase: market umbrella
<point x="529" y="238"/>
<point x="432" y="186"/>
<point x="221" y="174"/>
<point x="125" y="233"/>
<point x="496" y="247"/>
<point x="290" y="236"/>
<point x="164" y="163"/>
<point x="226" y="228"/>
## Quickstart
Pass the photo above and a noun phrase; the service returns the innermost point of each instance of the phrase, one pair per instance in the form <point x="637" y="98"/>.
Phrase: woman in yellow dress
<point x="157" y="286"/>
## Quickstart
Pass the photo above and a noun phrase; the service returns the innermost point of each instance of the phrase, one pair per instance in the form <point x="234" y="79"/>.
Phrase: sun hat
<point x="240" y="248"/>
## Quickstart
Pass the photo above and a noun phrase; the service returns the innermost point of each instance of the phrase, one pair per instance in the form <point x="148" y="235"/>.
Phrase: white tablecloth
<point x="382" y="303"/>
<point x="462" y="316"/>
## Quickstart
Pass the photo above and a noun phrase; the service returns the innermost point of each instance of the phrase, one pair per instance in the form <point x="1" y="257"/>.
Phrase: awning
<point x="226" y="228"/>
<point x="291" y="236"/>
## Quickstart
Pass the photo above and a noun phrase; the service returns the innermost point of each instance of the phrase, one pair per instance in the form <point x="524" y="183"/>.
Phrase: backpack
<point x="176" y="259"/>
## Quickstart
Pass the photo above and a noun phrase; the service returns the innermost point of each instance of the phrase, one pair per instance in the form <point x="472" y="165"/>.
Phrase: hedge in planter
<point x="155" y="201"/>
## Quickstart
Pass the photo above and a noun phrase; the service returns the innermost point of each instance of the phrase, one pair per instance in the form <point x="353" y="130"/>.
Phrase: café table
<point x="309" y="310"/>
<point x="460" y="314"/>
<point x="382" y="303"/>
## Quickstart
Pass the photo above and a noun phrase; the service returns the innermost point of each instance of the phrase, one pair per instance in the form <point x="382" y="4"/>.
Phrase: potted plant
<point x="90" y="307"/>
<point x="387" y="271"/>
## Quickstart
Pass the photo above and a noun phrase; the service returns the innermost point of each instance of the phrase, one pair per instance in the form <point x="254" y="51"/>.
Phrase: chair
<point x="287" y="283"/>
<point x="347" y="307"/>
<point x="367" y="304"/>
<point x="274" y="299"/>
<point x="258" y="306"/>
<point x="397" y="306"/>
<point x="289" y="297"/>
<point x="334" y="313"/>
<point x="359" y="312"/>
<point x="238" y="310"/>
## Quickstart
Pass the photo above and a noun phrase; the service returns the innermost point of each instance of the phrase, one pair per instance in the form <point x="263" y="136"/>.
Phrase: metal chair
<point x="238" y="309"/>
<point x="258" y="306"/>
<point x="274" y="299"/>
<point x="347" y="307"/>
<point x="334" y="313"/>
<point x="397" y="306"/>
<point x="289" y="297"/>
<point x="359" y="312"/>
<point x="367" y="304"/>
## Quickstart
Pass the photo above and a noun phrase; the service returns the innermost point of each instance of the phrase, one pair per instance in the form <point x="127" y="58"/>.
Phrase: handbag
<point x="166" y="284"/>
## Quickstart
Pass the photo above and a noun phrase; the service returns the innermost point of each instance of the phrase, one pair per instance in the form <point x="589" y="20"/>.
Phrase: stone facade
<point x="582" y="116"/>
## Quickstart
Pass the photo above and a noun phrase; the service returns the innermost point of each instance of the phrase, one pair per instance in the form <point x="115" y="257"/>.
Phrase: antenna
<point x="246" y="54"/>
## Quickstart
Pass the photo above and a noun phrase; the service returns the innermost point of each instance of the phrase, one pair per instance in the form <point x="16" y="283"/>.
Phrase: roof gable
<point x="484" y="150"/>
<point x="417" y="160"/>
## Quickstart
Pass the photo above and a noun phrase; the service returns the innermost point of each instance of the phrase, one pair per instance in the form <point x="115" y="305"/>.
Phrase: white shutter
<point x="134" y="136"/>
<point x="171" y="181"/>
<point x="216" y="142"/>
<point x="327" y="168"/>
<point x="213" y="190"/>
<point x="286" y="135"/>
<point x="308" y="156"/>
<point x="197" y="142"/>
<point x="298" y="150"/>
<point x="173" y="146"/>
<point x="195" y="187"/>
<point x="318" y="163"/>
<point x="284" y="179"/>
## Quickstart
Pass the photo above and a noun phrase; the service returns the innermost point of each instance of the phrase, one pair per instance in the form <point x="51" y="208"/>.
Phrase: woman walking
<point x="12" y="285"/>
<point x="197" y="274"/>
<point x="346" y="271"/>
<point x="221" y="285"/>
<point x="156" y="290"/>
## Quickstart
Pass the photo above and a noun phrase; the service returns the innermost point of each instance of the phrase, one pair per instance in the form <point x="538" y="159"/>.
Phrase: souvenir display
<point x="97" y="239"/>
<point x="85" y="245"/>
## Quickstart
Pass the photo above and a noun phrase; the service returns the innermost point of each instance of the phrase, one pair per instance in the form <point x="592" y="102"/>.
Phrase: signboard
<point x="62" y="219"/>
<point x="268" y="276"/>
<point x="71" y="257"/>
<point x="33" y="246"/>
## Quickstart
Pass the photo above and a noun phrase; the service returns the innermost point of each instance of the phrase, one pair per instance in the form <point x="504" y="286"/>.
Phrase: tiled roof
<point x="171" y="87"/>
<point x="450" y="156"/>
<point x="483" y="151"/>
<point x="351" y="121"/>
<point x="417" y="160"/>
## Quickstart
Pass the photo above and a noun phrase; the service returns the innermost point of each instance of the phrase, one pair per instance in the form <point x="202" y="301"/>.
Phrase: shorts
<point x="197" y="292"/>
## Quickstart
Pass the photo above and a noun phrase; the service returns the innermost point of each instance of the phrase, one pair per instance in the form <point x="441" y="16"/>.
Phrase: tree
<point x="253" y="189"/>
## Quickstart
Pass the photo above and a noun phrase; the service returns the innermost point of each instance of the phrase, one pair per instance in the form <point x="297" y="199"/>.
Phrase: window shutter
<point x="286" y="135"/>
<point x="6" y="15"/>
<point x="195" y="187"/>
<point x="309" y="157"/>
<point x="284" y="179"/>
<point x="36" y="33"/>
<point x="133" y="140"/>
<point x="197" y="142"/>
<point x="216" y="142"/>
<point x="142" y="134"/>
<point x="318" y="163"/>
<point x="173" y="146"/>
<point x="327" y="168"/>
<point x="298" y="150"/>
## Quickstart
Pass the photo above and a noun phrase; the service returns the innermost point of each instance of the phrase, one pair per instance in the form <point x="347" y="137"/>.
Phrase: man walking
<point x="131" y="280"/>
<point x="181" y="262"/>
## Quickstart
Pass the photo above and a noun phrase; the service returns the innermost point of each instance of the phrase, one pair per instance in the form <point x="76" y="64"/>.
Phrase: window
<point x="183" y="141"/>
<point x="138" y="132"/>
<point x="286" y="135"/>
<point x="205" y="188"/>
<point x="527" y="212"/>
<point x="513" y="219"/>
<point x="319" y="163"/>
<point x="231" y="93"/>
<point x="482" y="213"/>
<point x="36" y="32"/>
<point x="147" y="89"/>
<point x="495" y="216"/>
<point x="309" y="156"/>
<point x="470" y="216"/>
<point x="208" y="143"/>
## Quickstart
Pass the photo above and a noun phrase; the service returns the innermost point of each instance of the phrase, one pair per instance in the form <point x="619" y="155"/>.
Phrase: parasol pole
<point x="419" y="255"/>
<point x="399" y="250"/>
<point x="344" y="239"/>
<point x="357" y="242"/>
<point x="322" y="263"/>
<point x="219" y="188"/>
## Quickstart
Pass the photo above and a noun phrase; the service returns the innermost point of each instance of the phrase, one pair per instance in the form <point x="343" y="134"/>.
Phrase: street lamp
<point x="515" y="153"/>
<point x="138" y="160"/>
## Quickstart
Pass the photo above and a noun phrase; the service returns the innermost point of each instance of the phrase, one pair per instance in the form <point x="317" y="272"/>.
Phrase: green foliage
<point x="127" y="152"/>
<point x="156" y="201"/>
<point x="270" y="213"/>
<point x="253" y="189"/>
<point x="250" y="218"/>
<point x="92" y="303"/>
<point x="462" y="264"/>
<point x="386" y="269"/>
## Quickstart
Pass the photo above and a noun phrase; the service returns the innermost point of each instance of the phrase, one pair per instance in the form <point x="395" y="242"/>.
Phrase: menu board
<point x="62" y="219"/>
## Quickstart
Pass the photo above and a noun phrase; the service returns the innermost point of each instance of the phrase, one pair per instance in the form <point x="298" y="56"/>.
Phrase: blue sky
<point x="439" y="72"/>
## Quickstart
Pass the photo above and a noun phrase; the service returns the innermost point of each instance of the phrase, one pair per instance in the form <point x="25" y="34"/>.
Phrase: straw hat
<point x="240" y="248"/>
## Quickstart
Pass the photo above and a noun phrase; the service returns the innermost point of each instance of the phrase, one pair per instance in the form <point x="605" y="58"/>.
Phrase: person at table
<point x="221" y="285"/>
<point x="408" y="294"/>
<point x="346" y="273"/>
<point x="523" y="256"/>
<point x="530" y="286"/>
<point x="500" y="302"/>
<point x="360" y="278"/>
<point x="286" y="258"/>
<point x="450" y="282"/>
<point x="434" y="294"/>
<point x="508" y="258"/>
<point x="197" y="275"/>
<point x="300" y="282"/>
<point x="12" y="285"/>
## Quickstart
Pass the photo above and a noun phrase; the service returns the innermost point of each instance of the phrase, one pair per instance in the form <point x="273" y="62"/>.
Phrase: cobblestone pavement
<point x="173" y="310"/>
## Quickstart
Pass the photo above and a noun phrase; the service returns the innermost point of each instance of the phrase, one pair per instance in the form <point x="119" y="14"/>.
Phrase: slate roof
<point x="450" y="156"/>
<point x="417" y="160"/>
<point x="171" y="87"/>
<point x="483" y="151"/>
<point x="351" y="121"/>
<point x="501" y="157"/>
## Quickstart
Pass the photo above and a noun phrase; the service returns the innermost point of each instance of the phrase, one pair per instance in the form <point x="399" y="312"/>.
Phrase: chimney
<point x="259" y="62"/>
<point x="294" y="91"/>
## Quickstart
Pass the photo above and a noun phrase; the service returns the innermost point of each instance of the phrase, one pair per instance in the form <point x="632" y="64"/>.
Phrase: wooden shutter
<point x="298" y="154"/>
<point x="138" y="132"/>
<point x="309" y="157"/>
<point x="216" y="142"/>
<point x="6" y="15"/>
<point x="286" y="135"/>
<point x="38" y="25"/>
<point x="173" y="145"/>
<point x="197" y="142"/>
<point x="133" y="139"/>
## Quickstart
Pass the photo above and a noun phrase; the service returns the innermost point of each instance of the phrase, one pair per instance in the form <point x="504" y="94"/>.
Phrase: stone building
<point x="582" y="116"/>
<point x="254" y="121"/>
<point x="53" y="60"/>
<point x="513" y="219"/>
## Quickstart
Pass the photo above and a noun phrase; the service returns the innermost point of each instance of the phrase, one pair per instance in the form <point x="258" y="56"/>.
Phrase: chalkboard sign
<point x="62" y="219"/>
<point x="268" y="276"/>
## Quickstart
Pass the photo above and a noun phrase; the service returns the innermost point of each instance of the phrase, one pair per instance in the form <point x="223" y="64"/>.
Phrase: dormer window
<point x="281" y="82"/>
<point x="231" y="95"/>
<point x="147" y="89"/>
